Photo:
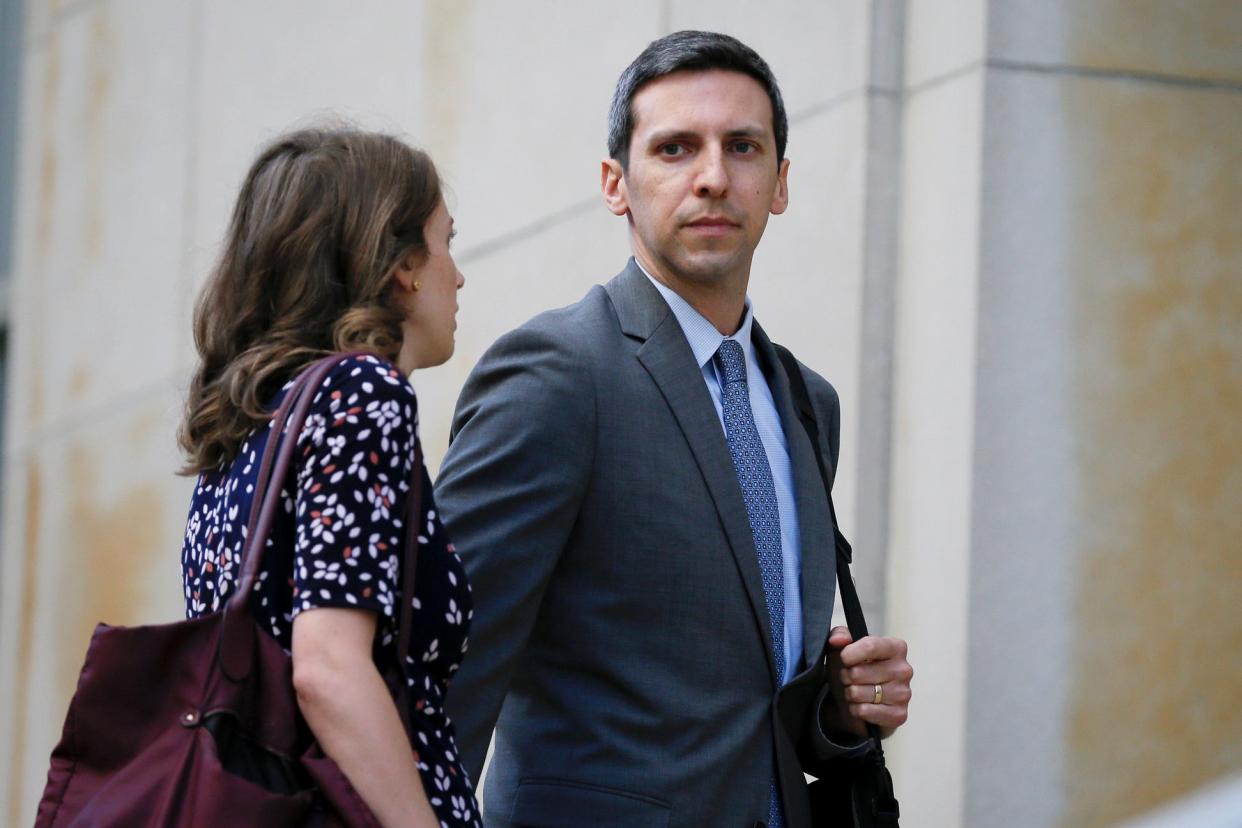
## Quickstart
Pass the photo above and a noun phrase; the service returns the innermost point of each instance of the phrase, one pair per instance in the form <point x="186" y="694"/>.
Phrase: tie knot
<point x="732" y="361"/>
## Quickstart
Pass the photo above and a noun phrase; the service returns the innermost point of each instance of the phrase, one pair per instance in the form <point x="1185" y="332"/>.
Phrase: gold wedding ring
<point x="879" y="694"/>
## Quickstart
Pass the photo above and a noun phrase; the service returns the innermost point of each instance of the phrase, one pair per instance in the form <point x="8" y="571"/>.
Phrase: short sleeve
<point x="355" y="458"/>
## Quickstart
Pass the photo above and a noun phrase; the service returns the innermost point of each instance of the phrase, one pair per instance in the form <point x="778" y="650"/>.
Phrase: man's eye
<point x="744" y="147"/>
<point x="672" y="150"/>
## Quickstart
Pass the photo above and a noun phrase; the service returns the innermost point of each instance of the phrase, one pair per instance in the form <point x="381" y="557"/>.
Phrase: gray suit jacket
<point x="620" y="641"/>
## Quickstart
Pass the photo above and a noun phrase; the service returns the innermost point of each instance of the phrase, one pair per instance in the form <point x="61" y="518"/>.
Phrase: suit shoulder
<point x="572" y="327"/>
<point x="593" y="307"/>
<point x="820" y="389"/>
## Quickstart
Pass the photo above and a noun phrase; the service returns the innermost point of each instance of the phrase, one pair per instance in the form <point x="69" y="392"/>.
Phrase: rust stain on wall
<point x="25" y="640"/>
<point x="45" y="207"/>
<point x="1157" y="662"/>
<point x="100" y="57"/>
<point x="78" y="382"/>
<point x="443" y="44"/>
<point x="112" y="543"/>
<point x="47" y="163"/>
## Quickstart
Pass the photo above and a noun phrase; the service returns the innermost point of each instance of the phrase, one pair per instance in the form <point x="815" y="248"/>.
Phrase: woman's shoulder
<point x="362" y="379"/>
<point x="362" y="393"/>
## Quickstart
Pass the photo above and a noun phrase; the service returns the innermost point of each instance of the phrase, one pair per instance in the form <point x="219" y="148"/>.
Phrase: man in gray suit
<point x="638" y="508"/>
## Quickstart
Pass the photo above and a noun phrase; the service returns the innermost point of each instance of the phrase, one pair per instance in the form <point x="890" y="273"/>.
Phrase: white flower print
<point x="330" y="518"/>
<point x="330" y="571"/>
<point x="384" y="598"/>
<point x="316" y="426"/>
<point x="381" y="497"/>
<point x="385" y="415"/>
<point x="461" y="810"/>
<point x="390" y="376"/>
<point x="390" y="564"/>
<point x="376" y="545"/>
<point x="358" y="467"/>
<point x="346" y="416"/>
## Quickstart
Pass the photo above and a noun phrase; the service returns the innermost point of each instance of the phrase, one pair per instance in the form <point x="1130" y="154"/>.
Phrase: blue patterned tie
<point x="750" y="461"/>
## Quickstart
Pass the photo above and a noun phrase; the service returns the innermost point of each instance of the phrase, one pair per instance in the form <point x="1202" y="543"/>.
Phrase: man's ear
<point x="780" y="198"/>
<point x="612" y="185"/>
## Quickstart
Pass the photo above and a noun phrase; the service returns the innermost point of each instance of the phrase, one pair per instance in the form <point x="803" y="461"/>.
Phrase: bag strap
<point x="236" y="641"/>
<point x="845" y="554"/>
<point x="288" y="420"/>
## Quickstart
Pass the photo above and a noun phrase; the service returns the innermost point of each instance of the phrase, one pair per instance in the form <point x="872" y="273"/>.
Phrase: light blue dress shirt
<point x="704" y="341"/>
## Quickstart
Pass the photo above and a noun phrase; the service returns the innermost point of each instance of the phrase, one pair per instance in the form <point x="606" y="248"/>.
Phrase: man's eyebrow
<point x="664" y="136"/>
<point x="747" y="132"/>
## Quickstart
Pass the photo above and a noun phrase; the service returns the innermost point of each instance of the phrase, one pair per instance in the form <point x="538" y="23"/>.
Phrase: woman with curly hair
<point x="339" y="242"/>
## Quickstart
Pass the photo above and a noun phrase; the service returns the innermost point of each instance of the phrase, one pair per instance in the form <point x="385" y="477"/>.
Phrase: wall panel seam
<point x="1157" y="78"/>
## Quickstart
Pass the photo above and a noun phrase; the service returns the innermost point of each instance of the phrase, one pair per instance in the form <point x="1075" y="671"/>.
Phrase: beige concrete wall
<point x="1139" y="344"/>
<point x="1016" y="258"/>
<point x="92" y="510"/>
<point x="1157" y="662"/>
<point x="1066" y="447"/>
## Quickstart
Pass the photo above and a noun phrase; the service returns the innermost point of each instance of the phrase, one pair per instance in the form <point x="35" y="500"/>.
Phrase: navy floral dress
<point x="339" y="544"/>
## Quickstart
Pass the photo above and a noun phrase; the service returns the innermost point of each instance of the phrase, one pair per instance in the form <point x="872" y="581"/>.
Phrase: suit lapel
<point x="665" y="354"/>
<point x="814" y="523"/>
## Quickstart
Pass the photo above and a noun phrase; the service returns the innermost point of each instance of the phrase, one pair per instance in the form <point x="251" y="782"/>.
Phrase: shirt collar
<point x="702" y="335"/>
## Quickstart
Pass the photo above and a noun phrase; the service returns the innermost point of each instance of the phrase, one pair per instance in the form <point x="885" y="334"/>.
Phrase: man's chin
<point x="708" y="266"/>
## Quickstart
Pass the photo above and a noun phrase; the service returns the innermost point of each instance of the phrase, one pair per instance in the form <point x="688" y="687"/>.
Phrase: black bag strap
<point x="845" y="554"/>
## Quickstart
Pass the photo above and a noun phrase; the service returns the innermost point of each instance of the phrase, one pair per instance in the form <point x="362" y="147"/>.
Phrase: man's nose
<point x="711" y="177"/>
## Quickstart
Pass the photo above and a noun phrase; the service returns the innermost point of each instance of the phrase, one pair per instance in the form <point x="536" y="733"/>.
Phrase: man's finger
<point x="839" y="637"/>
<point x="890" y="693"/>
<point x="878" y="672"/>
<point x="884" y="715"/>
<point x="873" y="648"/>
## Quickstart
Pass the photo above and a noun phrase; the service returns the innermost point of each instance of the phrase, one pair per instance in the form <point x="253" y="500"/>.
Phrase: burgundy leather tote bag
<point x="196" y="723"/>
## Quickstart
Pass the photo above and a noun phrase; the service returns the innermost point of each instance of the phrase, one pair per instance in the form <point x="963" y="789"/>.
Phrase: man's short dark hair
<point x="695" y="51"/>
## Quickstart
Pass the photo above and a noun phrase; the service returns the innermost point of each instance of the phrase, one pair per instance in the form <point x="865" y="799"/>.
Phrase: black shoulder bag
<point x="856" y="790"/>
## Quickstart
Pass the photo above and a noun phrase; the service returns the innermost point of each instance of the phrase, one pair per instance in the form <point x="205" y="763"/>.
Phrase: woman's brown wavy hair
<point x="321" y="219"/>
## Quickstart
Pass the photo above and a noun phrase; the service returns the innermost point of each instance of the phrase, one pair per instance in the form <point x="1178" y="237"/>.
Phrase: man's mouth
<point x="713" y="225"/>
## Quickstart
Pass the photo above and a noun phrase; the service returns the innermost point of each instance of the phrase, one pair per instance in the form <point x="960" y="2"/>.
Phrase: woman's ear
<point x="405" y="273"/>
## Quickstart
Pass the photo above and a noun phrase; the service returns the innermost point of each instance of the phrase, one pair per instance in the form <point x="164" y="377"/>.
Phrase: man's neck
<point x="723" y="304"/>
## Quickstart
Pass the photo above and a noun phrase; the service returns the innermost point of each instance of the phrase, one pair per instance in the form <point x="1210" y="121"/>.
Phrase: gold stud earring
<point x="418" y="285"/>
